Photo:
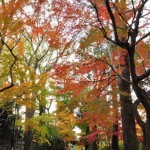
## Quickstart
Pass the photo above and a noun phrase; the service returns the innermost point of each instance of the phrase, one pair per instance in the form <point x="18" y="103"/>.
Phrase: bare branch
<point x="135" y="31"/>
<point x="123" y="18"/>
<point x="1" y="44"/>
<point x="141" y="61"/>
<point x="101" y="24"/>
<point x="113" y="20"/>
<point x="114" y="70"/>
<point x="143" y="76"/>
<point x="98" y="19"/>
<point x="145" y="36"/>
<point x="133" y="9"/>
<point x="134" y="15"/>
<point x="35" y="50"/>
<point x="6" y="88"/>
<point x="11" y="67"/>
<point x="137" y="115"/>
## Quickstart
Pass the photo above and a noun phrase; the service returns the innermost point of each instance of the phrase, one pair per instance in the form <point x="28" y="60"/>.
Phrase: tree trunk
<point x="115" y="141"/>
<point x="115" y="145"/>
<point x="144" y="99"/>
<point x="94" y="146"/>
<point x="28" y="133"/>
<point x="15" y="129"/>
<point x="145" y="126"/>
<point x="130" y="141"/>
<point x="146" y="142"/>
<point x="28" y="139"/>
<point x="15" y="138"/>
<point x="86" y="143"/>
<point x="90" y="146"/>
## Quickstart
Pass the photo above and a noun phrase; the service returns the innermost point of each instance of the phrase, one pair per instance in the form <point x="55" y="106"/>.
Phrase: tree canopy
<point x="75" y="74"/>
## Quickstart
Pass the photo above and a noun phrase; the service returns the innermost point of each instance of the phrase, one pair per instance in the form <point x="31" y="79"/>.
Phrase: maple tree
<point x="18" y="74"/>
<point x="110" y="50"/>
<point x="36" y="51"/>
<point x="115" y="19"/>
<point x="129" y="42"/>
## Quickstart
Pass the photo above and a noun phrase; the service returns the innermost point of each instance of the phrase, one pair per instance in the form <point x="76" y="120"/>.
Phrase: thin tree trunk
<point x="130" y="141"/>
<point x="15" y="129"/>
<point x="86" y="144"/>
<point x="115" y="145"/>
<point x="144" y="99"/>
<point x="15" y="138"/>
<point x="28" y="139"/>
<point x="146" y="143"/>
<point x="28" y="136"/>
<point x="93" y="145"/>
<point x="115" y="141"/>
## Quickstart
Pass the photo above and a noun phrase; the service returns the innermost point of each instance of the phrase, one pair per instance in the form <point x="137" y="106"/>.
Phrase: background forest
<point x="75" y="74"/>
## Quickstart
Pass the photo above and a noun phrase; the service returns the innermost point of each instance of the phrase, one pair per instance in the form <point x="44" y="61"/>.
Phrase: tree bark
<point x="143" y="98"/>
<point x="28" y="136"/>
<point x="145" y="126"/>
<point x="28" y="139"/>
<point x="115" y="141"/>
<point x="130" y="141"/>
<point x="115" y="145"/>
<point x="93" y="145"/>
<point x="146" y="143"/>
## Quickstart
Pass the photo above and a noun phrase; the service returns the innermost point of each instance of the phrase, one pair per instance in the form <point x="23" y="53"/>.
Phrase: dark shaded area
<point x="6" y="128"/>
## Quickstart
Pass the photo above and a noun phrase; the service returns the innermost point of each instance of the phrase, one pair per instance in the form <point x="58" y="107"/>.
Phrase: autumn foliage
<point x="89" y="60"/>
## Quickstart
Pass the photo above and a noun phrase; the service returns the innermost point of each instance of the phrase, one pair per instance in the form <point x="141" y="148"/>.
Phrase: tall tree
<point x="129" y="42"/>
<point x="120" y="24"/>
